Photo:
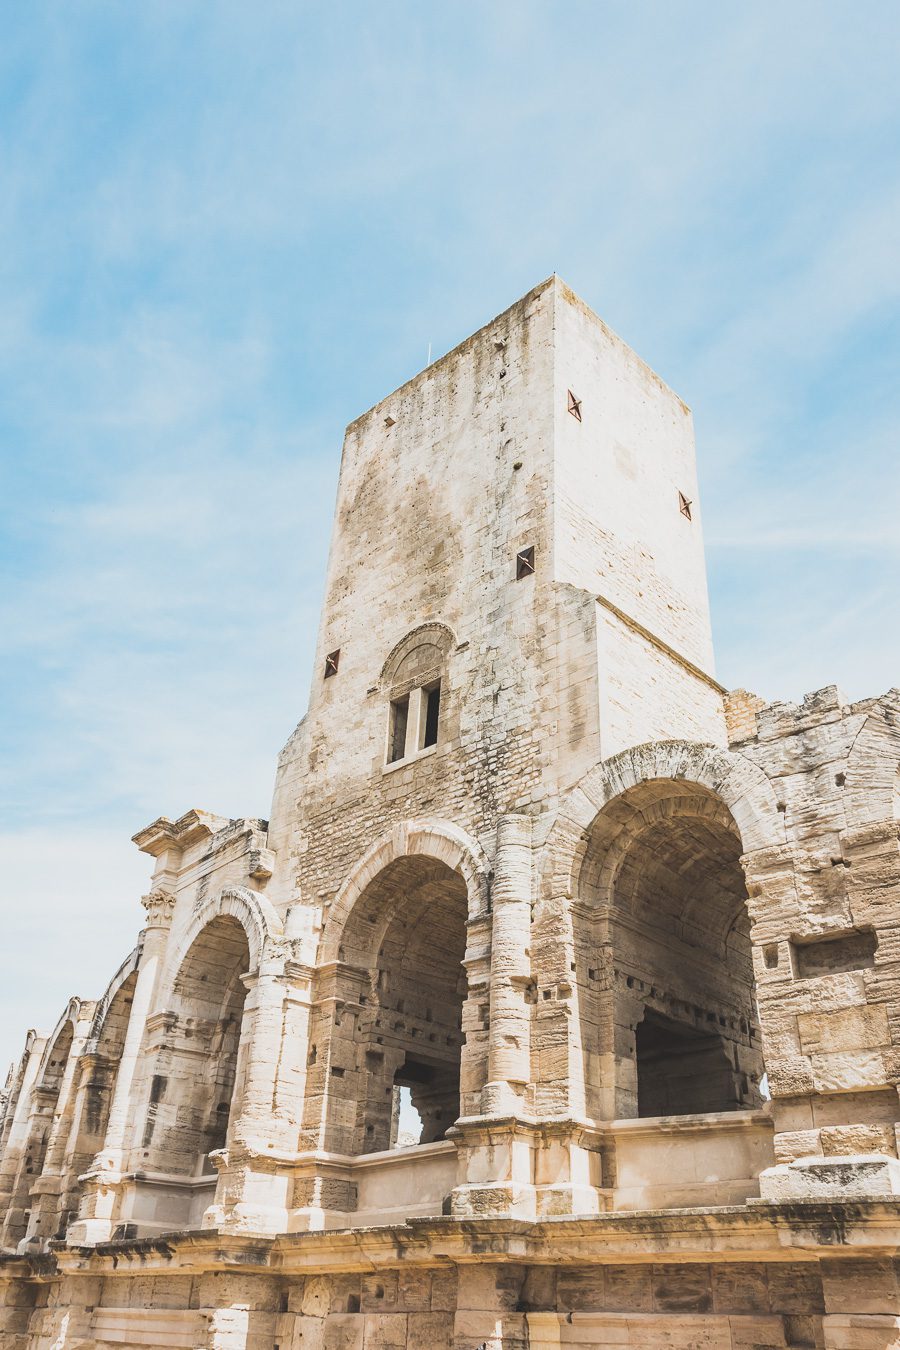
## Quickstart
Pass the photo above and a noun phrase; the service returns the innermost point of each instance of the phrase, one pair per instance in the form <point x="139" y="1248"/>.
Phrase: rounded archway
<point x="89" y="1110"/>
<point x="196" y="1067"/>
<point x="45" y="1102"/>
<point x="666" y="937"/>
<point x="397" y="1029"/>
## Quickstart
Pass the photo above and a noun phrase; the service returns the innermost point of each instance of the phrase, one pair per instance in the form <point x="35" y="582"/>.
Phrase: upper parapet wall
<point x="462" y="349"/>
<point x="751" y="718"/>
<point x="472" y="341"/>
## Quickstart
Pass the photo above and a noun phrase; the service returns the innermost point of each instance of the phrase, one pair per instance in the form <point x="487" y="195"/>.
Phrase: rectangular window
<point x="397" y="730"/>
<point x="431" y="698"/>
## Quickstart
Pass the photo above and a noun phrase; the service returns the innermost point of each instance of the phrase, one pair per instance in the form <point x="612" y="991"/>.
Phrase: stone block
<point x="856" y="1177"/>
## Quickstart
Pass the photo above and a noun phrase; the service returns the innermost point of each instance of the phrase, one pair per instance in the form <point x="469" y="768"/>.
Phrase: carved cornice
<point x="164" y="834"/>
<point x="160" y="906"/>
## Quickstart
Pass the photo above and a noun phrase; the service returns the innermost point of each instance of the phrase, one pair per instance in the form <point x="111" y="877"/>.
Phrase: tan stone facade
<point x="626" y="945"/>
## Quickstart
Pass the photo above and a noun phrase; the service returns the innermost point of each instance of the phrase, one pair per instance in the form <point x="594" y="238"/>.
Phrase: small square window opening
<point x="524" y="563"/>
<point x="431" y="711"/>
<point x="397" y="729"/>
<point x="684" y="505"/>
<point x="331" y="663"/>
<point x="574" y="405"/>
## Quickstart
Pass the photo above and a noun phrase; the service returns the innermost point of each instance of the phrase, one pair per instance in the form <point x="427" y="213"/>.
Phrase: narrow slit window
<point x="397" y="731"/>
<point x="431" y="698"/>
<point x="524" y="563"/>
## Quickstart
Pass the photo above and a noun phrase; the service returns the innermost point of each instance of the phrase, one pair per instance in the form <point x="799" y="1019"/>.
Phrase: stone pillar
<point x="500" y="1143"/>
<point x="253" y="1193"/>
<point x="261" y="1031"/>
<point x="49" y="1190"/>
<point x="96" y="1219"/>
<point x="509" y="1052"/>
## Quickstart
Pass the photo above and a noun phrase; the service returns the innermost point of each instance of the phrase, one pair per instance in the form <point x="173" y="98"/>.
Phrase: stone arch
<point x="195" y="1072"/>
<point x="739" y="783"/>
<point x="435" y="634"/>
<point x="89" y="1107"/>
<point x="51" y="1050"/>
<point x="391" y="988"/>
<point x="126" y="970"/>
<point x="13" y="1090"/>
<point x="429" y="838"/>
<point x="42" y="1109"/>
<point x="195" y="1051"/>
<point x="255" y="914"/>
<point x="646" y="857"/>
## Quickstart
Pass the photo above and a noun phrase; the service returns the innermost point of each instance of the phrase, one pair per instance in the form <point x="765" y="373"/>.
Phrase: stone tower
<point x="555" y="1003"/>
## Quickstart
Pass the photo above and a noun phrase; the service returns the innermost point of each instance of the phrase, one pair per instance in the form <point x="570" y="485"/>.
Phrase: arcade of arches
<point x="45" y="1099"/>
<point x="665" y="1003"/>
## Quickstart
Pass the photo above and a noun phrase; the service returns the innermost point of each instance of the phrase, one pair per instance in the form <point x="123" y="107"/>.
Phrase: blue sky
<point x="227" y="229"/>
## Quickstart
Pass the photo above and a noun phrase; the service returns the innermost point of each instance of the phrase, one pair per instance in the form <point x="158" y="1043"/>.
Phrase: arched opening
<point x="93" y="1100"/>
<point x="665" y="957"/>
<point x="193" y="1084"/>
<point x="44" y="1103"/>
<point x="397" y="1033"/>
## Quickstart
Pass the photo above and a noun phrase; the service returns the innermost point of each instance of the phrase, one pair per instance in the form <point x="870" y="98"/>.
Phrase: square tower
<point x="516" y="556"/>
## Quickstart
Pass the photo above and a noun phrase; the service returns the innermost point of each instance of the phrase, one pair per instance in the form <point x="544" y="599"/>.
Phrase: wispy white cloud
<point x="224" y="237"/>
<point x="71" y="911"/>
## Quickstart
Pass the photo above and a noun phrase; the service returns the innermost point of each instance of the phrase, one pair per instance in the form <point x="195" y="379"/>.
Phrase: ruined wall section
<point x="825" y="909"/>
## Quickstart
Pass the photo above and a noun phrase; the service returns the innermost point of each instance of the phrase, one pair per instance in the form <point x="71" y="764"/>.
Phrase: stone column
<point x="254" y="1118"/>
<point x="500" y="1143"/>
<point x="509" y="1052"/>
<point x="253" y="1192"/>
<point x="96" y="1221"/>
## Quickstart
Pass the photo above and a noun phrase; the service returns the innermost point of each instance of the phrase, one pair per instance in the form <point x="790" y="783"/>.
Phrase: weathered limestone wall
<point x="441" y="485"/>
<point x="824" y="905"/>
<point x="641" y="985"/>
<point x="183" y="1298"/>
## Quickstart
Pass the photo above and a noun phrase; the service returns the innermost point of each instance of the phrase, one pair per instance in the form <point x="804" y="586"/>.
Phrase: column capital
<point x="160" y="906"/>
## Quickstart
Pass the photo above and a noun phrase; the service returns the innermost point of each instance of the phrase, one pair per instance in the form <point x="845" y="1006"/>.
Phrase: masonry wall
<point x="502" y="921"/>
